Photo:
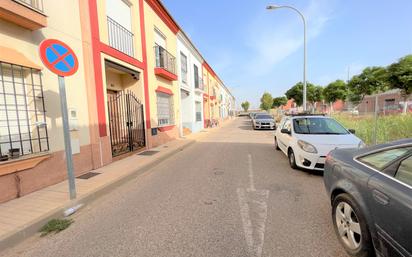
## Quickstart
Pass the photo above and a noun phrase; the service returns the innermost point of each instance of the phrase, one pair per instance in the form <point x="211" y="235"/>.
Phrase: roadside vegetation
<point x="55" y="226"/>
<point x="389" y="127"/>
<point x="371" y="80"/>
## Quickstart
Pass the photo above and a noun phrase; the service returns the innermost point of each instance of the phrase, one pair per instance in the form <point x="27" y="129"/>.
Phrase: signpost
<point x="60" y="59"/>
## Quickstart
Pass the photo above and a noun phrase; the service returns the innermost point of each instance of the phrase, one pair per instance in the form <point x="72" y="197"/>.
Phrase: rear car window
<point x="404" y="172"/>
<point x="381" y="159"/>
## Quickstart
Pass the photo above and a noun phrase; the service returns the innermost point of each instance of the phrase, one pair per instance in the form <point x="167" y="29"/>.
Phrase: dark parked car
<point x="371" y="195"/>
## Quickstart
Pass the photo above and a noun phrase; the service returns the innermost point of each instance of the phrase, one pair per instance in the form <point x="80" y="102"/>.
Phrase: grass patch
<point x="55" y="226"/>
<point x="389" y="127"/>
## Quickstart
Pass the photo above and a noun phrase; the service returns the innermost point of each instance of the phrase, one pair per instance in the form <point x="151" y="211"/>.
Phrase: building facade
<point x="191" y="86"/>
<point x="132" y="90"/>
<point x="31" y="133"/>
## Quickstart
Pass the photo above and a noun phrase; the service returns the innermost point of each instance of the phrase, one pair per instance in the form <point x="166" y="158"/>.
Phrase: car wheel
<point x="292" y="159"/>
<point x="276" y="144"/>
<point x="351" y="227"/>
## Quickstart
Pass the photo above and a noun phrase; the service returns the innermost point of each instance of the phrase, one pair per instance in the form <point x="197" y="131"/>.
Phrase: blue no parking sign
<point x="61" y="60"/>
<point x="58" y="57"/>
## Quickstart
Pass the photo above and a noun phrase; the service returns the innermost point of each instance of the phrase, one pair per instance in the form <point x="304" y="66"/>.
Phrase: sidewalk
<point x="23" y="217"/>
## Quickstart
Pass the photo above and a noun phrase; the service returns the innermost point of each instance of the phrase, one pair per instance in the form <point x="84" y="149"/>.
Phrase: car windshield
<point x="316" y="125"/>
<point x="263" y="117"/>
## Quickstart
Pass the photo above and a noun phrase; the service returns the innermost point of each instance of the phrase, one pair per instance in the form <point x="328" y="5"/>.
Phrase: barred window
<point x="198" y="111"/>
<point x="183" y="60"/>
<point x="165" y="109"/>
<point x="23" y="128"/>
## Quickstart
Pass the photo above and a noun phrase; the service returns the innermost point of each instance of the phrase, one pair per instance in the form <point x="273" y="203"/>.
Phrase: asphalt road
<point x="230" y="194"/>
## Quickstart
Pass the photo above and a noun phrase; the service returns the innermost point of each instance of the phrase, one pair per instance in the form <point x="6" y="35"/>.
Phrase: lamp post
<point x="274" y="7"/>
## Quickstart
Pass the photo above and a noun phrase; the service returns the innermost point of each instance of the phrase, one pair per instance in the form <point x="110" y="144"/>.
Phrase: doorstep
<point x="23" y="217"/>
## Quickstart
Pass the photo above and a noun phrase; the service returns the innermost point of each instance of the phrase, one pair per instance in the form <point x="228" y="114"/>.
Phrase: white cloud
<point x="271" y="40"/>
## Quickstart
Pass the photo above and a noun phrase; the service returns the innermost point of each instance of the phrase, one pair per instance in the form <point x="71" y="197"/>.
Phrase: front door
<point x="126" y="122"/>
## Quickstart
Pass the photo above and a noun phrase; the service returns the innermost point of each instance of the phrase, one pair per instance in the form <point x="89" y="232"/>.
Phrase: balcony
<point x="120" y="38"/>
<point x="25" y="13"/>
<point x="165" y="64"/>
<point x="199" y="86"/>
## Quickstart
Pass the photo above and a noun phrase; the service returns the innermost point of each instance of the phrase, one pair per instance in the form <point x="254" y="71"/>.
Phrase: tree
<point x="296" y="93"/>
<point x="245" y="105"/>
<point x="266" y="101"/>
<point x="313" y="93"/>
<point x="371" y="80"/>
<point x="400" y="77"/>
<point x="335" y="91"/>
<point x="279" y="101"/>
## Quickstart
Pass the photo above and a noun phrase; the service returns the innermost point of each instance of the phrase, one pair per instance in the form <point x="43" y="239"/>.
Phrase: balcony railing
<point x="164" y="59"/>
<point x="34" y="4"/>
<point x="120" y="38"/>
<point x="199" y="84"/>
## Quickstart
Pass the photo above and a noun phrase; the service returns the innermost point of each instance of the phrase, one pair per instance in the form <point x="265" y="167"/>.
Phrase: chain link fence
<point x="377" y="119"/>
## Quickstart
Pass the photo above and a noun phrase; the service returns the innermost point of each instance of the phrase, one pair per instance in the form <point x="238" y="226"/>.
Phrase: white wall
<point x="187" y="103"/>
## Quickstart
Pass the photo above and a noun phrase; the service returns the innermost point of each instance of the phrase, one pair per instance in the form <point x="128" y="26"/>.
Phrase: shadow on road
<point x="249" y="127"/>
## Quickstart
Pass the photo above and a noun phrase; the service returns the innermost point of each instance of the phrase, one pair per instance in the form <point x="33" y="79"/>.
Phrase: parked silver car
<point x="264" y="121"/>
<point x="371" y="195"/>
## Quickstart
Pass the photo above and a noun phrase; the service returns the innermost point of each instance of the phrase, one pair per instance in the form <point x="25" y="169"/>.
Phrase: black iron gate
<point x="126" y="121"/>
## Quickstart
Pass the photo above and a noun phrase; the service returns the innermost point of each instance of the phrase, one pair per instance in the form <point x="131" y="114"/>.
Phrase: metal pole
<point x="375" y="128"/>
<point x="272" y="7"/>
<point x="67" y="141"/>
<point x="304" y="62"/>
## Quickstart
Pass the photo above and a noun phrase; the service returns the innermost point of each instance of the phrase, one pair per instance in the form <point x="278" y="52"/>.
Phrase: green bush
<point x="55" y="226"/>
<point x="389" y="127"/>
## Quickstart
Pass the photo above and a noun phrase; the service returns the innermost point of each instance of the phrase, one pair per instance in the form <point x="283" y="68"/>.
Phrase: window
<point x="287" y="125"/>
<point x="160" y="39"/>
<point x="120" y="11"/>
<point x="404" y="172"/>
<point x="382" y="159"/>
<point x="183" y="60"/>
<point x="196" y="75"/>
<point x="165" y="109"/>
<point x="318" y="126"/>
<point x="119" y="26"/>
<point x="198" y="111"/>
<point x="23" y="128"/>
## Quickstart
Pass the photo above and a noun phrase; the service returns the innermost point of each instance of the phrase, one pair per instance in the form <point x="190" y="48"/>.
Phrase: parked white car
<point x="307" y="139"/>
<point x="263" y="121"/>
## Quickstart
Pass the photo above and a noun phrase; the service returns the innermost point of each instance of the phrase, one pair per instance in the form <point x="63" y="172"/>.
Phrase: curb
<point x="13" y="238"/>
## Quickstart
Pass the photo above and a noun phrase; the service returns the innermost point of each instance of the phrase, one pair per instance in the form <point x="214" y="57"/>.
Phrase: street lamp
<point x="274" y="7"/>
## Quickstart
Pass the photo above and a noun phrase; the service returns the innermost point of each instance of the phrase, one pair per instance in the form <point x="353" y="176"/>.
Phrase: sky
<point x="254" y="50"/>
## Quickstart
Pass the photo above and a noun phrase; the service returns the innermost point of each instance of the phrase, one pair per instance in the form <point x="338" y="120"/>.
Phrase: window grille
<point x="183" y="60"/>
<point x="23" y="128"/>
<point x="165" y="114"/>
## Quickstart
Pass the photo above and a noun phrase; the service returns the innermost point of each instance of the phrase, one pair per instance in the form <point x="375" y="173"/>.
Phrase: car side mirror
<point x="352" y="131"/>
<point x="285" y="131"/>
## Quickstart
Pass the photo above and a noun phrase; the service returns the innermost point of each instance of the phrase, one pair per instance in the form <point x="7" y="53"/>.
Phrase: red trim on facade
<point x="209" y="69"/>
<point x="166" y="128"/>
<point x="161" y="11"/>
<point x="164" y="90"/>
<point x="165" y="74"/>
<point x="213" y="97"/>
<point x="94" y="26"/>
<point x="121" y="56"/>
<point x="205" y="95"/>
<point x="145" y="71"/>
